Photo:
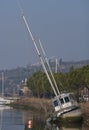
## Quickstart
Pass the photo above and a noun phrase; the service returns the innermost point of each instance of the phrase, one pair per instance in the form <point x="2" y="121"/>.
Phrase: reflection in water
<point x="56" y="127"/>
<point x="38" y="123"/>
<point x="35" y="121"/>
<point x="11" y="119"/>
<point x="72" y="126"/>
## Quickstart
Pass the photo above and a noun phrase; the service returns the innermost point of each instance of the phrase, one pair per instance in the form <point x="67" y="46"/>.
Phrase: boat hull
<point x="73" y="113"/>
<point x="73" y="116"/>
<point x="5" y="101"/>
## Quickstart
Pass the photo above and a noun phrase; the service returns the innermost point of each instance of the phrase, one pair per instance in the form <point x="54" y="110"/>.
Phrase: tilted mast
<point x="46" y="59"/>
<point x="42" y="62"/>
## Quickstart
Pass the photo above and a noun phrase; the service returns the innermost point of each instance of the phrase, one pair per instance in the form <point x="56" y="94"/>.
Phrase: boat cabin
<point x="64" y="102"/>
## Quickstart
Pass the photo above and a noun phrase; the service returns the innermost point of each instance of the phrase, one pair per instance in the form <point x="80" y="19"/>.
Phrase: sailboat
<point x="65" y="106"/>
<point x="4" y="100"/>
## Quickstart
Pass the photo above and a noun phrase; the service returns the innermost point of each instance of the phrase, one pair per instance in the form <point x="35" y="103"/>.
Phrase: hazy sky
<point x="62" y="26"/>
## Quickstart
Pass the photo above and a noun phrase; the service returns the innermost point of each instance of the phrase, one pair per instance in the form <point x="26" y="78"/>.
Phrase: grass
<point x="38" y="104"/>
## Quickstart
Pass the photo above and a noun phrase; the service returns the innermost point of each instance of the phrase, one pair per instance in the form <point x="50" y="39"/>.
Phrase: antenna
<point x="46" y="59"/>
<point x="56" y="65"/>
<point x="42" y="62"/>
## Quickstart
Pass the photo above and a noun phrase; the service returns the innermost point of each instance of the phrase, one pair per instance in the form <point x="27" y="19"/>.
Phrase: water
<point x="11" y="119"/>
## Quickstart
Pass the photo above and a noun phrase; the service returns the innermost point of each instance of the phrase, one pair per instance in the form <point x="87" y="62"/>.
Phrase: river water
<point x="12" y="119"/>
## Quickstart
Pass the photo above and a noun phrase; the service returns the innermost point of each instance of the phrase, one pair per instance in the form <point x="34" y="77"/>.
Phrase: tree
<point x="74" y="81"/>
<point x="39" y="83"/>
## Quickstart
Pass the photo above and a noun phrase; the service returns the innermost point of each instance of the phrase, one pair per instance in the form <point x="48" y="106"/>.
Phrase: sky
<point x="62" y="26"/>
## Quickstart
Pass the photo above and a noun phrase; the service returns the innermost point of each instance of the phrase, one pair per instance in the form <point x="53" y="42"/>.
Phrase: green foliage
<point x="79" y="78"/>
<point x="39" y="83"/>
<point x="72" y="81"/>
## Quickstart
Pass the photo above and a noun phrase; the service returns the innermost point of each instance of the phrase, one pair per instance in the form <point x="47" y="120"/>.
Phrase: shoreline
<point x="43" y="103"/>
<point x="45" y="106"/>
<point x="38" y="104"/>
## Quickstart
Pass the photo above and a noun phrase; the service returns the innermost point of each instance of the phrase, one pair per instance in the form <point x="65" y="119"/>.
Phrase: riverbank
<point x="38" y="104"/>
<point x="85" y="110"/>
<point x="85" y="107"/>
<point x="42" y="104"/>
<point x="45" y="105"/>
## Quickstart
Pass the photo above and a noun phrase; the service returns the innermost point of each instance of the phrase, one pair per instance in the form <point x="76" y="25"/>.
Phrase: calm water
<point x="11" y="119"/>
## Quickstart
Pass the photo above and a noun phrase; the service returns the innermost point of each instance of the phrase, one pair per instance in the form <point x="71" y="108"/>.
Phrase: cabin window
<point x="66" y="99"/>
<point x="62" y="101"/>
<point x="55" y="103"/>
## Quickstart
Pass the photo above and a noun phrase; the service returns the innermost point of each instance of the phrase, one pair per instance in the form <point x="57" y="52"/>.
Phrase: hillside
<point x="15" y="78"/>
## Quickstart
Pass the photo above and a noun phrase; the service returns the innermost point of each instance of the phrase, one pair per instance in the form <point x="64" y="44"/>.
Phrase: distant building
<point x="26" y="91"/>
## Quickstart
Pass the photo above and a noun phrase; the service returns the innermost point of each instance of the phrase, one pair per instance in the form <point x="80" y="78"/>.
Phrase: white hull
<point x="74" y="116"/>
<point x="73" y="113"/>
<point x="4" y="101"/>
